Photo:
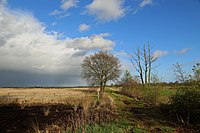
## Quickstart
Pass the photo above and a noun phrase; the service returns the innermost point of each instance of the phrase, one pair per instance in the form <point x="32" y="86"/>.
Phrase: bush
<point x="151" y="95"/>
<point x="131" y="89"/>
<point x="129" y="85"/>
<point x="186" y="106"/>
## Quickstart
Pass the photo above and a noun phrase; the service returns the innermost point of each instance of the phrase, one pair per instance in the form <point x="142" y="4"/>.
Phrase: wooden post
<point x="98" y="95"/>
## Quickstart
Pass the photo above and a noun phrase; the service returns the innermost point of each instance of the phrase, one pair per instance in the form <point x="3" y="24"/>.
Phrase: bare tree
<point x="136" y="61"/>
<point x="151" y="59"/>
<point x="180" y="73"/>
<point x="99" y="68"/>
<point x="142" y="61"/>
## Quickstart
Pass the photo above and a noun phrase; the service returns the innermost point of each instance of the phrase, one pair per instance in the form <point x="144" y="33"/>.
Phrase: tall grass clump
<point x="34" y="126"/>
<point x="90" y="114"/>
<point x="46" y="110"/>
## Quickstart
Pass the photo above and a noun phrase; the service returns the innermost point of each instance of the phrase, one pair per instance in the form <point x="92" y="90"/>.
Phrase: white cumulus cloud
<point x="83" y="27"/>
<point x="106" y="10"/>
<point x="92" y="42"/>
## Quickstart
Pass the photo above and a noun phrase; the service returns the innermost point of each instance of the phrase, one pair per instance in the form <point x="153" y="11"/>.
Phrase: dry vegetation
<point x="120" y="109"/>
<point x="40" y="96"/>
<point x="53" y="109"/>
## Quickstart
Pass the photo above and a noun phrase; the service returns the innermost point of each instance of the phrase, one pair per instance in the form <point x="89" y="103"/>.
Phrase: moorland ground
<point x="78" y="110"/>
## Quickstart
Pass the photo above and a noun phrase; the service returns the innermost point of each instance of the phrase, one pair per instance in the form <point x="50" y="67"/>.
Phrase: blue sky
<point x="43" y="42"/>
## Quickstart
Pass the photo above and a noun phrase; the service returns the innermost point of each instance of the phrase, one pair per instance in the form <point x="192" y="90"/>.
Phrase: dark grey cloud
<point x="2" y="41"/>
<point x="10" y="78"/>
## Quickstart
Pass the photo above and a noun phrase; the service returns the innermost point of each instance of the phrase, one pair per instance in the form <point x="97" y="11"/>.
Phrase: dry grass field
<point x="52" y="110"/>
<point x="40" y="96"/>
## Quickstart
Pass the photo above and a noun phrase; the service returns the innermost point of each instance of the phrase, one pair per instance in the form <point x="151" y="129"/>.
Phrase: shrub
<point x="128" y="84"/>
<point x="131" y="89"/>
<point x="151" y="95"/>
<point x="186" y="105"/>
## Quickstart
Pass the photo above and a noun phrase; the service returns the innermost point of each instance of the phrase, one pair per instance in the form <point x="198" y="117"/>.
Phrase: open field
<point x="54" y="110"/>
<point x="35" y="96"/>
<point x="58" y="109"/>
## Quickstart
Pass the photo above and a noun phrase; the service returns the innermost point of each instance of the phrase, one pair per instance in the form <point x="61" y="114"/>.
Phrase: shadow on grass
<point x="159" y="119"/>
<point x="148" y="117"/>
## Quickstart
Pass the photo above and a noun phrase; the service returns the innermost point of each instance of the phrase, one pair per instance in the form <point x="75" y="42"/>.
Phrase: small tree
<point x="99" y="68"/>
<point x="180" y="74"/>
<point x="129" y="85"/>
<point x="127" y="81"/>
<point x="127" y="77"/>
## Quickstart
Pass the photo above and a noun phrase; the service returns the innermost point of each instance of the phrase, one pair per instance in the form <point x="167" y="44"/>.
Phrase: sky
<point x="43" y="43"/>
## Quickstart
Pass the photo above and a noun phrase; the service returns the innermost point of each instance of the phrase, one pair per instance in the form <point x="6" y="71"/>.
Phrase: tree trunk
<point x="150" y="61"/>
<point x="145" y="58"/>
<point x="101" y="87"/>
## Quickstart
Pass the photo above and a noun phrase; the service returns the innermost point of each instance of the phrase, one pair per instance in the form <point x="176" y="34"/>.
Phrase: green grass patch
<point x="118" y="98"/>
<point x="166" y="129"/>
<point x="113" y="127"/>
<point x="138" y="130"/>
<point x="168" y="92"/>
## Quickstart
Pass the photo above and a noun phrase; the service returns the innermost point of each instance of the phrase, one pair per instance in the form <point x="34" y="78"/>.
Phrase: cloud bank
<point x="27" y="48"/>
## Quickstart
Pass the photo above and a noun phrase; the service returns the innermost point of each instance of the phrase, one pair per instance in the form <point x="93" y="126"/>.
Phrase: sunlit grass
<point x="43" y="96"/>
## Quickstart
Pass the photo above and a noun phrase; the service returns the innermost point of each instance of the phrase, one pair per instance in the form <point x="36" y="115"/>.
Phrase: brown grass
<point x="38" y="96"/>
